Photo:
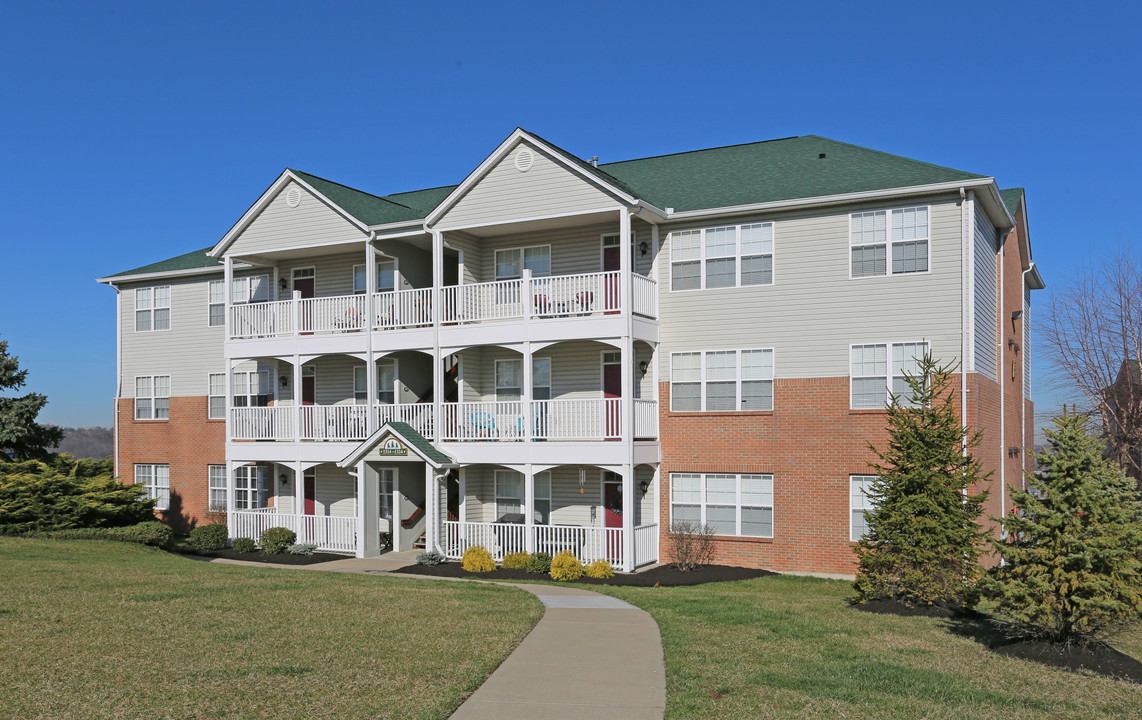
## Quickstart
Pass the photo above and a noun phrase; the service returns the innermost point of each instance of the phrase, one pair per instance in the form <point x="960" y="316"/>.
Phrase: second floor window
<point x="722" y="257"/>
<point x="876" y="370"/>
<point x="386" y="380"/>
<point x="216" y="401"/>
<point x="889" y="243"/>
<point x="217" y="303"/>
<point x="509" y="379"/>
<point x="152" y="397"/>
<point x="153" y="308"/>
<point x="511" y="263"/>
<point x="386" y="277"/>
<point x="721" y="380"/>
<point x="252" y="389"/>
<point x="251" y="289"/>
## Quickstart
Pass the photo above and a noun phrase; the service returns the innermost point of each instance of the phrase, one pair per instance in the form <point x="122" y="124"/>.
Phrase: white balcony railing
<point x="331" y="533"/>
<point x="499" y="300"/>
<point x="644" y="290"/>
<point x="263" y="319"/>
<point x="402" y="309"/>
<point x="323" y="422"/>
<point x="261" y="423"/>
<point x="586" y="419"/>
<point x="418" y="415"/>
<point x="567" y="295"/>
<point x="645" y="419"/>
<point x="334" y="422"/>
<point x="496" y="420"/>
<point x="342" y="313"/>
<point x="588" y="543"/>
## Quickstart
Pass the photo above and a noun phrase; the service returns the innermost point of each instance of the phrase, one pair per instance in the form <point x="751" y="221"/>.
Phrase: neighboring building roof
<point x="770" y="171"/>
<point x="1011" y="198"/>
<point x="189" y="261"/>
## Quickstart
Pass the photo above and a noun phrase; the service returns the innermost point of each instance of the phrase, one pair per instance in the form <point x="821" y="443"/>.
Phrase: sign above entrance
<point x="392" y="446"/>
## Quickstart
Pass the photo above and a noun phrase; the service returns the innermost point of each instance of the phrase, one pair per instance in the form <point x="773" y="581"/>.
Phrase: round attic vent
<point x="524" y="160"/>
<point x="293" y="197"/>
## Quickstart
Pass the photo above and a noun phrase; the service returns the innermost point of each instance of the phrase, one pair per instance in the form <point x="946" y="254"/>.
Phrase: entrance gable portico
<point x="398" y="441"/>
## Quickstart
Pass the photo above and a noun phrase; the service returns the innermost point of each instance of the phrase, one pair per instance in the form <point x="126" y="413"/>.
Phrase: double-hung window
<point x="509" y="494"/>
<point x="721" y="257"/>
<point x="216" y="407"/>
<point x="152" y="397"/>
<point x="156" y="480"/>
<point x="216" y="476"/>
<point x="509" y="379"/>
<point x="251" y="487"/>
<point x="721" y="380"/>
<point x="878" y="371"/>
<point x="386" y="380"/>
<point x="251" y="289"/>
<point x="730" y="503"/>
<point x="386" y="277"/>
<point x="859" y="504"/>
<point x="510" y="263"/>
<point x="251" y="389"/>
<point x="217" y="304"/>
<point x="542" y="503"/>
<point x="886" y="242"/>
<point x="153" y="308"/>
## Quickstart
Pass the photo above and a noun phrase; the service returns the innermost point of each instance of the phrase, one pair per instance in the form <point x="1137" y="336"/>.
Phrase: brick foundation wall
<point x="188" y="442"/>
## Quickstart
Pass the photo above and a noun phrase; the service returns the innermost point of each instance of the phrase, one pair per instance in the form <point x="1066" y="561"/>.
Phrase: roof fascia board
<point x="266" y="198"/>
<point x="831" y="199"/>
<point x="289" y="248"/>
<point x="534" y="218"/>
<point x="498" y="154"/>
<point x="163" y="274"/>
<point x="398" y="225"/>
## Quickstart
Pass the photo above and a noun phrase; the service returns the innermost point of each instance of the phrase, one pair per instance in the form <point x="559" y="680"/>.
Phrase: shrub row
<point x="563" y="567"/>
<point x="151" y="532"/>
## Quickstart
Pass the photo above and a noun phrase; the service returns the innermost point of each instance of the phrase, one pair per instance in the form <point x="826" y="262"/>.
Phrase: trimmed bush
<point x="302" y="548"/>
<point x="539" y="563"/>
<point x="477" y="560"/>
<point x="691" y="544"/>
<point x="245" y="545"/>
<point x="517" y="561"/>
<point x="209" y="537"/>
<point x="151" y="532"/>
<point x="600" y="569"/>
<point x="432" y="557"/>
<point x="277" y="540"/>
<point x="565" y="566"/>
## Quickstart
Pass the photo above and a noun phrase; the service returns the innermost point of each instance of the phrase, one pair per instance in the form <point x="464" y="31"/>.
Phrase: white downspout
<point x="118" y="371"/>
<point x="965" y="246"/>
<point x="1002" y="376"/>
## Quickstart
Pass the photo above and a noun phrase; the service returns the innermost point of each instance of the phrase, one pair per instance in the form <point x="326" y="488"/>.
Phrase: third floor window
<point x="721" y="257"/>
<point x="873" y="252"/>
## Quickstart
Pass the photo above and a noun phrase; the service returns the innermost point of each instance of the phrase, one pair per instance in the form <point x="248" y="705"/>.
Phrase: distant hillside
<point x="92" y="442"/>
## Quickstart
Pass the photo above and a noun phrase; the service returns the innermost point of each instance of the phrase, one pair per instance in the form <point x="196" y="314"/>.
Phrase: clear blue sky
<point x="132" y="132"/>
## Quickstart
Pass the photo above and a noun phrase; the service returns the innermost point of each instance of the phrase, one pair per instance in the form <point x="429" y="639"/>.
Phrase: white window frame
<point x="522" y="261"/>
<point x="865" y="506"/>
<point x="892" y="369"/>
<point x="541" y="499"/>
<point x="153" y="411"/>
<point x="211" y="395"/>
<point x="216" y="488"/>
<point x="498" y="496"/>
<point x="889" y="243"/>
<point x="359" y="274"/>
<point x="242" y="294"/>
<point x="738" y="255"/>
<point x="251" y="485"/>
<point x="263" y="377"/>
<point x="496" y="378"/>
<point x="216" y="289"/>
<point x="156" y="479"/>
<point x="703" y="502"/>
<point x="738" y="381"/>
<point x="150" y="297"/>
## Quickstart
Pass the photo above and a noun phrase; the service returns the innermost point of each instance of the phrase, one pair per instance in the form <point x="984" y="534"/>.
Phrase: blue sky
<point x="132" y="132"/>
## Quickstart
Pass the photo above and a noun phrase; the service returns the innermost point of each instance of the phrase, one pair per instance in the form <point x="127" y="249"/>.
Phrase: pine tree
<point x="20" y="435"/>
<point x="923" y="541"/>
<point x="1072" y="568"/>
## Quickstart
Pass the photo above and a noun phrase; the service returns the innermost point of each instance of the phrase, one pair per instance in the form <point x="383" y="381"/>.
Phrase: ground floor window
<point x="217" y="483"/>
<point x="732" y="504"/>
<point x="860" y="504"/>
<point x="510" y="497"/>
<point x="156" y="480"/>
<point x="251" y="487"/>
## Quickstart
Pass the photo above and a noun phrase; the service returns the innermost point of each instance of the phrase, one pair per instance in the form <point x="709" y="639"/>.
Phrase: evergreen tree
<point x="1072" y="568"/>
<point x="923" y="540"/>
<point x="20" y="435"/>
<point x="36" y="496"/>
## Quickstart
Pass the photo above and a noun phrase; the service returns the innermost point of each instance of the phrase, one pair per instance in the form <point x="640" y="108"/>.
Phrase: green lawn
<point x="110" y="630"/>
<point x="788" y="647"/>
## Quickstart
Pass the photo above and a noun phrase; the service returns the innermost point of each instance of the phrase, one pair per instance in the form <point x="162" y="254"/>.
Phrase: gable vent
<point x="524" y="159"/>
<point x="293" y="197"/>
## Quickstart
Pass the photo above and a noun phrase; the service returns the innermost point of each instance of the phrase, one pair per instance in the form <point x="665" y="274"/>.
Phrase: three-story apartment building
<point x="555" y="354"/>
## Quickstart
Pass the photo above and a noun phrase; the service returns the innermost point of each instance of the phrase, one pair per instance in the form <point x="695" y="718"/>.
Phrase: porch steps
<point x="419" y="543"/>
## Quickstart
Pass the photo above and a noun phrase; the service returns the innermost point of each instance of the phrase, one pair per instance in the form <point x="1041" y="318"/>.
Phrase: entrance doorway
<point x="310" y="506"/>
<point x="613" y="514"/>
<point x="305" y="282"/>
<point x="612" y="388"/>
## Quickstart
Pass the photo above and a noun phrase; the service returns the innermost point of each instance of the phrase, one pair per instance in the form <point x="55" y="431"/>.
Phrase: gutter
<point x="118" y="371"/>
<point x="965" y="246"/>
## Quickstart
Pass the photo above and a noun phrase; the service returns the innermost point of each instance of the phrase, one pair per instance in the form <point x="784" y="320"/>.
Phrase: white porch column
<point x="437" y="358"/>
<point x="529" y="507"/>
<point x="654" y="260"/>
<point x="297" y="394"/>
<point x="525" y="292"/>
<point x="625" y="249"/>
<point x="525" y="394"/>
<point x="628" y="517"/>
<point x="398" y="509"/>
<point x="228" y="275"/>
<point x="368" y="511"/>
<point x="430" y="500"/>
<point x="230" y="489"/>
<point x="299" y="500"/>
<point x="463" y="494"/>
<point x="655" y="393"/>
<point x="228" y="388"/>
<point x="370" y="356"/>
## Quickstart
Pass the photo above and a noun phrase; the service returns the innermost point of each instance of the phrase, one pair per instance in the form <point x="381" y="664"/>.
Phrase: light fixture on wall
<point x="642" y="366"/>
<point x="284" y="381"/>
<point x="1016" y="314"/>
<point x="283" y="284"/>
<point x="644" y="486"/>
<point x="283" y="480"/>
<point x="643" y="247"/>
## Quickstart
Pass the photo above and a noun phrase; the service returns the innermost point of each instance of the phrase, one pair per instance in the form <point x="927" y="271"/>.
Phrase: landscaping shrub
<point x="477" y="560"/>
<point x="35" y="496"/>
<point x="565" y="566"/>
<point x="277" y="540"/>
<point x="151" y="532"/>
<point x="539" y="563"/>
<point x="302" y="548"/>
<point x="691" y="544"/>
<point x="923" y="540"/>
<point x="209" y="537"/>
<point x="600" y="569"/>
<point x="432" y="557"/>
<point x="245" y="545"/>
<point x="517" y="561"/>
<point x="1072" y="553"/>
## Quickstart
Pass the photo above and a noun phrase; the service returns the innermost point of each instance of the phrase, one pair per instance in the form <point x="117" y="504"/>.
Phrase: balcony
<point x="547" y="297"/>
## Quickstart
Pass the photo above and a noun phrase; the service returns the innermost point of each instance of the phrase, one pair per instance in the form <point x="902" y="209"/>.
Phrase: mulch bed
<point x="661" y="576"/>
<point x="895" y="607"/>
<point x="259" y="557"/>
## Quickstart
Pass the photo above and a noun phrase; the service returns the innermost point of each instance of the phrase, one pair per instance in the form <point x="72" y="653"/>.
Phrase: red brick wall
<point x="188" y="442"/>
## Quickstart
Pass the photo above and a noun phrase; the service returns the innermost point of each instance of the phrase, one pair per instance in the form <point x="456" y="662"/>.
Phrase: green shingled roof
<point x="369" y="209"/>
<point x="189" y="261"/>
<point x="1011" y="198"/>
<point x="770" y="171"/>
<point x="414" y="438"/>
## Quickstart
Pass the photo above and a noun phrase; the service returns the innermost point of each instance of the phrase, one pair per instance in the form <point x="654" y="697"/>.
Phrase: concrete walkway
<point x="589" y="656"/>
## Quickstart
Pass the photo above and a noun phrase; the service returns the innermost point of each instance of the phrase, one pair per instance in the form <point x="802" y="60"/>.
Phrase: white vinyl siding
<point x="883" y="246"/>
<point x="1026" y="347"/>
<point x="216" y="401"/>
<point x="216" y="482"/>
<point x="985" y="296"/>
<point x="721" y="380"/>
<point x="156" y="480"/>
<point x="859" y="504"/>
<point x="278" y="225"/>
<point x="251" y="487"/>
<point x="217" y="303"/>
<point x="876" y="372"/>
<point x="152" y="397"/>
<point x="153" y="308"/>
<point x="730" y="503"/>
<point x="721" y="257"/>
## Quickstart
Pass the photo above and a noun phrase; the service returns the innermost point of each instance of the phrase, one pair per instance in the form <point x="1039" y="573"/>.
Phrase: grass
<point x="789" y="647"/>
<point x="106" y="630"/>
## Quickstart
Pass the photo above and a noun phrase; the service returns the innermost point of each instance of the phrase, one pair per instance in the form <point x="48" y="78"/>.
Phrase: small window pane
<point x="685" y="367"/>
<point x="143" y="299"/>
<point x="721" y="396"/>
<point x="910" y="223"/>
<point x="868" y="228"/>
<point x="386" y="276"/>
<point x="686" y="397"/>
<point x="869" y="261"/>
<point x="910" y="257"/>
<point x="757" y="490"/>
<point x="163" y="296"/>
<point x="686" y="245"/>
<point x="217" y="384"/>
<point x="142" y="408"/>
<point x="686" y="513"/>
<point x="869" y="392"/>
<point x="721" y="273"/>
<point x="162" y="319"/>
<point x="538" y="260"/>
<point x="757" y="364"/>
<point x="757" y="395"/>
<point x="721" y="365"/>
<point x="870" y="360"/>
<point x="143" y="386"/>
<point x="217" y="407"/>
<point x="757" y="522"/>
<point x="721" y="489"/>
<point x="757" y="239"/>
<point x="757" y="270"/>
<point x="720" y="242"/>
<point x="685" y="488"/>
<point x="722" y="518"/>
<point x="162" y="385"/>
<point x="217" y="291"/>
<point x="685" y="276"/>
<point x="508" y="264"/>
<point x="543" y="486"/>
